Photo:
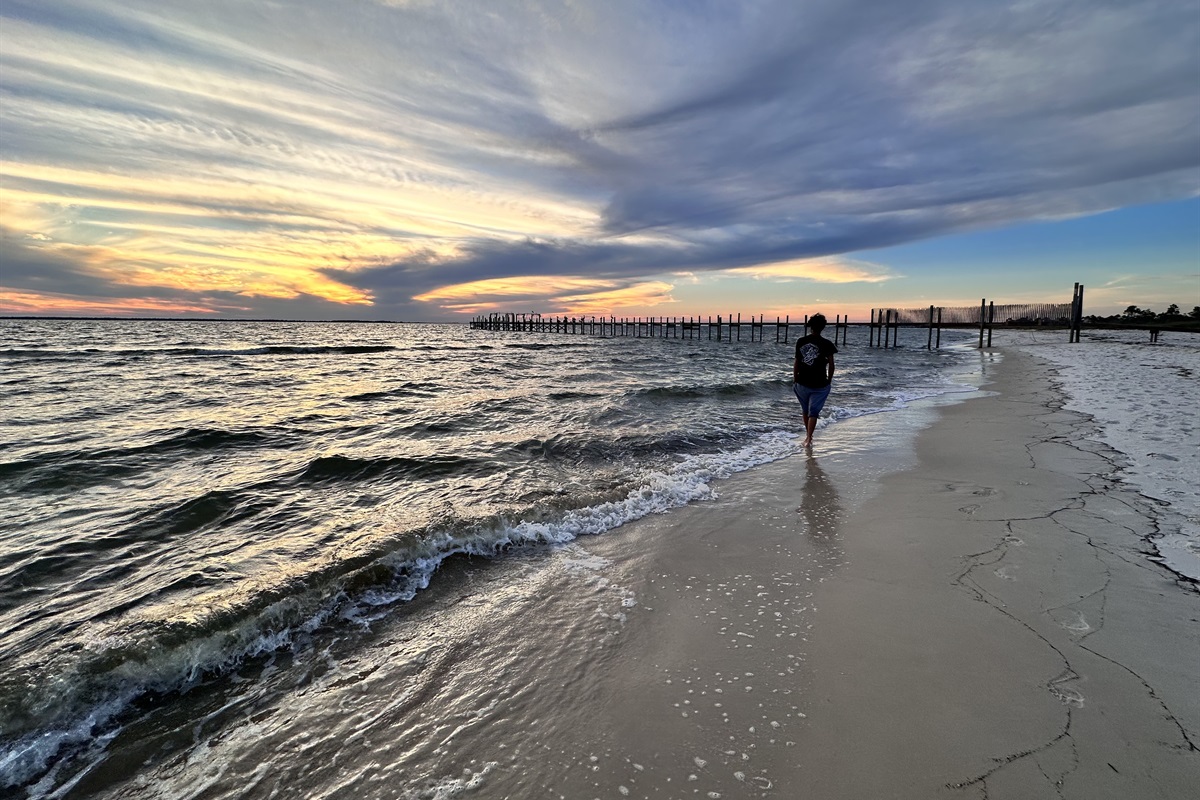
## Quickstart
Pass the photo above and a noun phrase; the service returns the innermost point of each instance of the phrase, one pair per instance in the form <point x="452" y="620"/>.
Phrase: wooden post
<point x="871" y="330"/>
<point x="1078" y="311"/>
<point x="787" y="327"/>
<point x="739" y="328"/>
<point x="939" y="328"/>
<point x="991" y="319"/>
<point x="929" y="344"/>
<point x="1074" y="311"/>
<point x="982" y="309"/>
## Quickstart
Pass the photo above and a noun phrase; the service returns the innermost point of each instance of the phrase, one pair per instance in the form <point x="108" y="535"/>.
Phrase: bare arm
<point x="831" y="368"/>
<point x="795" y="370"/>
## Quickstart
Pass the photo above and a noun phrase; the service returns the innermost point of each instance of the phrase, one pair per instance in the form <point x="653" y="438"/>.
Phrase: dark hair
<point x="817" y="322"/>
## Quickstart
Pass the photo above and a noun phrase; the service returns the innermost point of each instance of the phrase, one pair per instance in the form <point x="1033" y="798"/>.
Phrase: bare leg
<point x="810" y="424"/>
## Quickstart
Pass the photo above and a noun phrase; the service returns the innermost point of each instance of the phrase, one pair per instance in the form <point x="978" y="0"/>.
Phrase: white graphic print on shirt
<point x="809" y="353"/>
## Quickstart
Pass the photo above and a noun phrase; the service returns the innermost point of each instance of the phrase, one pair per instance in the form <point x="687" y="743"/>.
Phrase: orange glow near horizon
<point x="38" y="303"/>
<point x="255" y="231"/>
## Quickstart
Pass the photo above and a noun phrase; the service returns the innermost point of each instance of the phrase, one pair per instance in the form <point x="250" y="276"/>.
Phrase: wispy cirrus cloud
<point x="551" y="294"/>
<point x="821" y="270"/>
<point x="377" y="157"/>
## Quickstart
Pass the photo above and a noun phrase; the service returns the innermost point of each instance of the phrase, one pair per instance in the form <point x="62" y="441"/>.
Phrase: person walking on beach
<point x="812" y="374"/>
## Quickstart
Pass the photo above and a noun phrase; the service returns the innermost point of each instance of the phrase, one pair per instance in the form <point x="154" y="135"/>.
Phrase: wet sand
<point x="986" y="625"/>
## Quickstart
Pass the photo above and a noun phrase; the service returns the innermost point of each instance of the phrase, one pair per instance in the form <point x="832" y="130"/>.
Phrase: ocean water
<point x="203" y="521"/>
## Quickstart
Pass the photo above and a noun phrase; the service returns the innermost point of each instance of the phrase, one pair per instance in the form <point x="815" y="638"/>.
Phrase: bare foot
<point x="806" y="443"/>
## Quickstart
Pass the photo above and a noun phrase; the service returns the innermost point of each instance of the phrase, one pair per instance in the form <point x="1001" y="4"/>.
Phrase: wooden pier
<point x="730" y="328"/>
<point x="883" y="329"/>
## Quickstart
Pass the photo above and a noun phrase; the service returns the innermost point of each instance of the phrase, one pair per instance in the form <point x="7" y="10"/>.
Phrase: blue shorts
<point x="811" y="400"/>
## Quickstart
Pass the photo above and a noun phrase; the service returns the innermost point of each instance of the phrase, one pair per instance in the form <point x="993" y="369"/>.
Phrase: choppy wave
<point x="545" y="345"/>
<point x="73" y="469"/>
<point x="272" y="350"/>
<point x="164" y="657"/>
<point x="359" y="470"/>
<point x="715" y="389"/>
<point x="407" y="390"/>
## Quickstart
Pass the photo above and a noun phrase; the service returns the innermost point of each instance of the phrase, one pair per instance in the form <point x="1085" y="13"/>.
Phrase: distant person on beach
<point x="812" y="373"/>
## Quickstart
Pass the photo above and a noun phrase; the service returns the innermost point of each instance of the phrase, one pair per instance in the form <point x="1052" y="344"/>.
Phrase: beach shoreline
<point x="958" y="598"/>
<point x="986" y="624"/>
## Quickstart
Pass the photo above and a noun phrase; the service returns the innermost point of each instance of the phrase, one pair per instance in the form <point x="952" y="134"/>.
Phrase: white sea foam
<point x="1144" y="397"/>
<point x="688" y="481"/>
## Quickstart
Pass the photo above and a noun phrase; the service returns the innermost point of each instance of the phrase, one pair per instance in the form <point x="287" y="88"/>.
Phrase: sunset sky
<point x="432" y="160"/>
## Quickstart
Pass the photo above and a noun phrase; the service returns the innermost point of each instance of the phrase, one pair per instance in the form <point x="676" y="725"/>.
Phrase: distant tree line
<point x="1133" y="315"/>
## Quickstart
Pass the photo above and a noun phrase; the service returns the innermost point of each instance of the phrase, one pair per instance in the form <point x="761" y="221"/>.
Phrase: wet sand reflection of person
<point x="821" y="508"/>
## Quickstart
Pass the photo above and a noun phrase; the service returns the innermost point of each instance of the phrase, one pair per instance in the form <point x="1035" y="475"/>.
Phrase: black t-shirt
<point x="812" y="360"/>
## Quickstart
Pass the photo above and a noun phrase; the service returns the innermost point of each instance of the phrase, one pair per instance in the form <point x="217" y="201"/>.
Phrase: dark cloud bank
<point x="717" y="137"/>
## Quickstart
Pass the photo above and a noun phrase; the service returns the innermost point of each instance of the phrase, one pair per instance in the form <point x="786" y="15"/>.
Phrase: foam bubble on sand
<point x="453" y="787"/>
<point x="1144" y="397"/>
<point x="581" y="560"/>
